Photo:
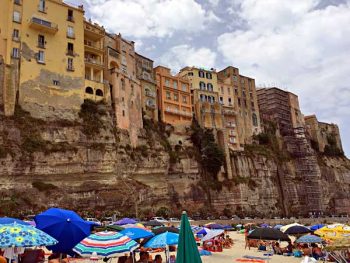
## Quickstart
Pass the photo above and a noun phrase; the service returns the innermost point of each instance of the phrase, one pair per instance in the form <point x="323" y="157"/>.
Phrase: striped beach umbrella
<point x="105" y="244"/>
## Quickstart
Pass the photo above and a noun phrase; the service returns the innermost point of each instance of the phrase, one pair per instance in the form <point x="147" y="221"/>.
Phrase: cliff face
<point x="68" y="164"/>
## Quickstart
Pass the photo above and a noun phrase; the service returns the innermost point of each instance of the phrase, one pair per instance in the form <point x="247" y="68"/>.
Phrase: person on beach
<point x="247" y="243"/>
<point x="143" y="257"/>
<point x="277" y="249"/>
<point x="316" y="251"/>
<point x="158" y="259"/>
<point x="288" y="249"/>
<point x="306" y="250"/>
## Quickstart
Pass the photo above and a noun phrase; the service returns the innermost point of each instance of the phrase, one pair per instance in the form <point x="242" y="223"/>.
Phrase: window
<point x="242" y="81"/>
<point x="228" y="90"/>
<point x="175" y="84"/>
<point x="232" y="140"/>
<point x="41" y="57"/>
<point x="252" y="104"/>
<point x="122" y="82"/>
<point x="70" y="49"/>
<point x="236" y="91"/>
<point x="42" y="6"/>
<point x="124" y="62"/>
<point x="56" y="82"/>
<point x="190" y="73"/>
<point x="89" y="90"/>
<point x="222" y="90"/>
<point x="15" y="52"/>
<point x="70" y="64"/>
<point x="201" y="74"/>
<point x="184" y="99"/>
<point x="70" y="32"/>
<point x="201" y="85"/>
<point x="210" y="87"/>
<point x="230" y="101"/>
<point x="209" y="76"/>
<point x="184" y="87"/>
<point x="123" y="113"/>
<point x="243" y="93"/>
<point x="99" y="93"/>
<point x="70" y="15"/>
<point x="255" y="120"/>
<point x="245" y="103"/>
<point x="17" y="2"/>
<point x="15" y="34"/>
<point x="167" y="82"/>
<point x="221" y="100"/>
<point x="234" y="78"/>
<point x="17" y="16"/>
<point x="239" y="101"/>
<point x="41" y="41"/>
<point x="176" y="97"/>
<point x="168" y="95"/>
<point x="201" y="97"/>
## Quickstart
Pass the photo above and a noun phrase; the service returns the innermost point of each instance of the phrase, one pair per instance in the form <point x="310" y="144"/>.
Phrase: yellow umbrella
<point x="334" y="232"/>
<point x="339" y="244"/>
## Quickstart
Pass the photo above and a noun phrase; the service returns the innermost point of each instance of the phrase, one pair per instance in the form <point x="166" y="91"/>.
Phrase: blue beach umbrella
<point x="295" y="230"/>
<point x="204" y="231"/>
<point x="316" y="227"/>
<point x="309" y="239"/>
<point x="163" y="240"/>
<point x="125" y="221"/>
<point x="10" y="220"/>
<point x="215" y="226"/>
<point x="136" y="233"/>
<point x="264" y="225"/>
<point x="17" y="235"/>
<point x="278" y="227"/>
<point x="64" y="225"/>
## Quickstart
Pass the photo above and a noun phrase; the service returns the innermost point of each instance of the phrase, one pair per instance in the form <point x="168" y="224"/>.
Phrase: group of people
<point x="218" y="243"/>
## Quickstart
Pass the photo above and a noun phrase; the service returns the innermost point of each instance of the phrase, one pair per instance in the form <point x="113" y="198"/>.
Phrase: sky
<point x="302" y="46"/>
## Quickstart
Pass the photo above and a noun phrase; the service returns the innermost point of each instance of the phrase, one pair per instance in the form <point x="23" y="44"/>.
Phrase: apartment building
<point x="237" y="94"/>
<point x="125" y="88"/>
<point x="95" y="87"/>
<point x="42" y="46"/>
<point x="174" y="98"/>
<point x="144" y="72"/>
<point x="204" y="96"/>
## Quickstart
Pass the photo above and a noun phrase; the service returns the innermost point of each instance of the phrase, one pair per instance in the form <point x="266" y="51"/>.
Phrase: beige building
<point x="144" y="72"/>
<point x="237" y="94"/>
<point x="174" y="98"/>
<point x="42" y="46"/>
<point x="204" y="96"/>
<point x="125" y="88"/>
<point x="325" y="135"/>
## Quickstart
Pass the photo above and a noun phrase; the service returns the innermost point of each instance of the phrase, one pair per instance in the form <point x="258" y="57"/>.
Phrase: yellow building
<point x="204" y="96"/>
<point x="42" y="44"/>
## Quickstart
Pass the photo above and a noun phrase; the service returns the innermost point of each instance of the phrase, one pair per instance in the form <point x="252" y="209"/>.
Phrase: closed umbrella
<point x="268" y="234"/>
<point x="212" y="233"/>
<point x="187" y="249"/>
<point x="296" y="230"/>
<point x="136" y="233"/>
<point x="105" y="244"/>
<point x="309" y="239"/>
<point x="64" y="225"/>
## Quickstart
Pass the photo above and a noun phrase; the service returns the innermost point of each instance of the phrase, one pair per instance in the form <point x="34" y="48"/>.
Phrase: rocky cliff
<point x="90" y="166"/>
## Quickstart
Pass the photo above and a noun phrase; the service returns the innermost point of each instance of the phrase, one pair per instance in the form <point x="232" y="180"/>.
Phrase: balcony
<point x="92" y="32"/>
<point x="229" y="112"/>
<point x="178" y="112"/>
<point x="94" y="63"/>
<point x="94" y="83"/>
<point x="150" y="94"/>
<point x="93" y="47"/>
<point x="43" y="25"/>
<point x="230" y="125"/>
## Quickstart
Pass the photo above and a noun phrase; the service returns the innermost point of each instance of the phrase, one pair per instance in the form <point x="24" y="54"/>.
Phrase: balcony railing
<point x="93" y="79"/>
<point x="179" y="112"/>
<point x="43" y="25"/>
<point x="229" y="112"/>
<point x="93" y="61"/>
<point x="93" y="45"/>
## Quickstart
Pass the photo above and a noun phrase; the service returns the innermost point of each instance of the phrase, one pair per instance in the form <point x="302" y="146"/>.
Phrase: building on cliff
<point x="174" y="98"/>
<point x="144" y="72"/>
<point x="42" y="44"/>
<point x="325" y="137"/>
<point x="240" y="107"/>
<point x="125" y="88"/>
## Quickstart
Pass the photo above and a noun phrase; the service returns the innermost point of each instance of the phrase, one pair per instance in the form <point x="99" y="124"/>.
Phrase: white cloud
<point x="300" y="47"/>
<point x="150" y="18"/>
<point x="184" y="55"/>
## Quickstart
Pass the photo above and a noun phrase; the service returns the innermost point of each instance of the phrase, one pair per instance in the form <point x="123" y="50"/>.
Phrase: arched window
<point x="99" y="93"/>
<point x="201" y="74"/>
<point x="209" y="76"/>
<point x="202" y="85"/>
<point x="147" y="92"/>
<point x="255" y="120"/>
<point x="210" y="87"/>
<point x="122" y="83"/>
<point x="89" y="90"/>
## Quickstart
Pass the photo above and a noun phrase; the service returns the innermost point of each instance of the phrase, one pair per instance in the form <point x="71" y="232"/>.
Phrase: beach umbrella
<point x="264" y="225"/>
<point x="162" y="240"/>
<point x="105" y="244"/>
<point x="162" y="229"/>
<point x="136" y="233"/>
<point x="339" y="244"/>
<point x="296" y="230"/>
<point x="64" y="225"/>
<point x="215" y="226"/>
<point x="268" y="234"/>
<point x="112" y="228"/>
<point x="316" y="227"/>
<point x="284" y="228"/>
<point x="153" y="223"/>
<point x="309" y="239"/>
<point x="10" y="220"/>
<point x="18" y="235"/>
<point x="333" y="232"/>
<point x="203" y="252"/>
<point x="212" y="233"/>
<point x="125" y="221"/>
<point x="278" y="227"/>
<point x="137" y="225"/>
<point x="187" y="249"/>
<point x="204" y="231"/>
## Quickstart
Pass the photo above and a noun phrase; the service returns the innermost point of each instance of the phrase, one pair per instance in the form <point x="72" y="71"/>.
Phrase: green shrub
<point x="33" y="144"/>
<point x="91" y="113"/>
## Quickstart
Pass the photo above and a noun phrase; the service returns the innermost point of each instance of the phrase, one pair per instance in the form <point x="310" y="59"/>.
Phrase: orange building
<point x="174" y="98"/>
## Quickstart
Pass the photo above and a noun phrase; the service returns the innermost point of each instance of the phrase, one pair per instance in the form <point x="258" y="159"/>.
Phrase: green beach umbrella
<point x="187" y="251"/>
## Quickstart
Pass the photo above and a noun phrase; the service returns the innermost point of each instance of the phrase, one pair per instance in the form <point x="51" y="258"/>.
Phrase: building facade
<point x="238" y="95"/>
<point x="204" y="96"/>
<point x="144" y="72"/>
<point x="125" y="88"/>
<point x="42" y="45"/>
<point x="174" y="98"/>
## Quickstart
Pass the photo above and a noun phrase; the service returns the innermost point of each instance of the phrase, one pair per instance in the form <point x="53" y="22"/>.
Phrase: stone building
<point x="144" y="72"/>
<point x="238" y="96"/>
<point x="125" y="88"/>
<point x="42" y="45"/>
<point x="325" y="136"/>
<point x="174" y="98"/>
<point x="204" y="96"/>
